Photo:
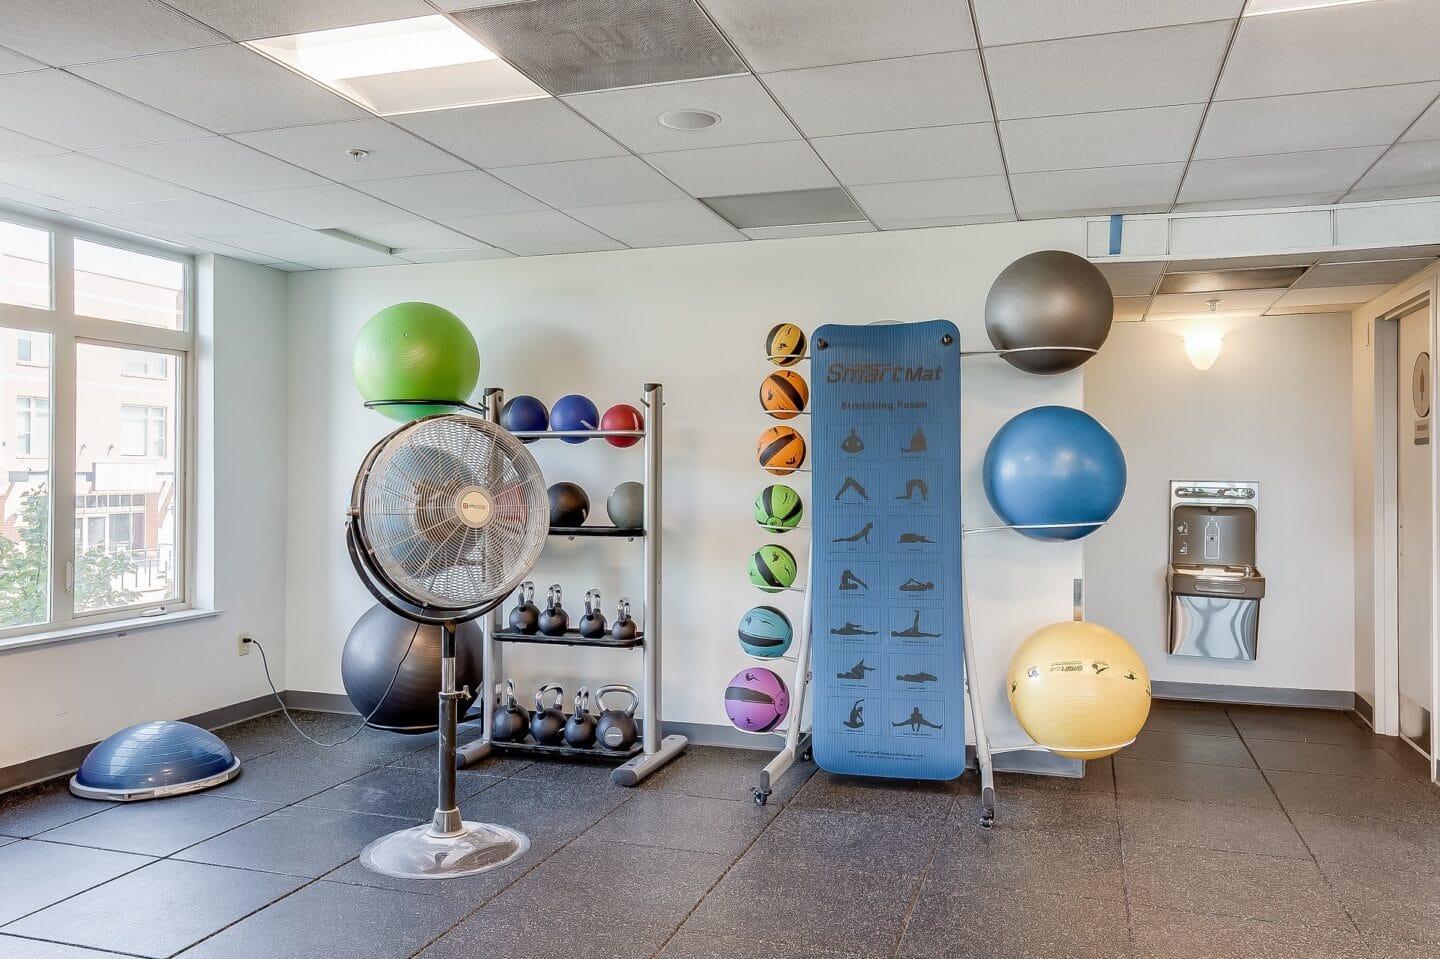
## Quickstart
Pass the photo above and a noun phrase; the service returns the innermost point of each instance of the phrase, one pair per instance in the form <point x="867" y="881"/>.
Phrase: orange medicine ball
<point x="781" y="450"/>
<point x="783" y="394"/>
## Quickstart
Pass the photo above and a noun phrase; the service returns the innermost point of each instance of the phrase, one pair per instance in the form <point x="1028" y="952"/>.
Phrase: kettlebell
<point x="511" y="722"/>
<point x="553" y="618"/>
<point x="616" y="728"/>
<point x="547" y="723"/>
<point x="624" y="628"/>
<point x="592" y="624"/>
<point x="580" y="729"/>
<point x="525" y="617"/>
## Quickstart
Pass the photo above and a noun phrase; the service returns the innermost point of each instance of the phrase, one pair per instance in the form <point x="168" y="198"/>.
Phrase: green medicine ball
<point x="415" y="351"/>
<point x="772" y="568"/>
<point x="778" y="508"/>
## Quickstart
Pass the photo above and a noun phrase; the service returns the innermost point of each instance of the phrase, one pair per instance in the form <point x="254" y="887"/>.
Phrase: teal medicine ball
<point x="765" y="631"/>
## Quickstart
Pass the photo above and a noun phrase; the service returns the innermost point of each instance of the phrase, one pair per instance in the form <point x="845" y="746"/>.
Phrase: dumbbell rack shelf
<point x="653" y="750"/>
<point x="571" y="637"/>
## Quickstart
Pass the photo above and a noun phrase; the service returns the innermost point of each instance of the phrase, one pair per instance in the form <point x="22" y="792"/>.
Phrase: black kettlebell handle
<point x="618" y="688"/>
<point x="510" y="692"/>
<point x="540" y="696"/>
<point x="592" y="601"/>
<point x="527" y="593"/>
<point x="553" y="602"/>
<point x="582" y="700"/>
<point x="623" y="613"/>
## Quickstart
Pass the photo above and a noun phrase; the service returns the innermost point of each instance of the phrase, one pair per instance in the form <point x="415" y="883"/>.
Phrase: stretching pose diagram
<point x="913" y="631"/>
<point x="857" y="715"/>
<point x="857" y="671"/>
<point x="862" y="536"/>
<point x="853" y="629"/>
<point x="852" y="484"/>
<point x="916" y="485"/>
<point x="916" y="720"/>
<point x="849" y="581"/>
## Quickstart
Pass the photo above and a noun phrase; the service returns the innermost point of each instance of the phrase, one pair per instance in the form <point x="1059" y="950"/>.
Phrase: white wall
<point x="693" y="319"/>
<point x="1274" y="408"/>
<point x="63" y="695"/>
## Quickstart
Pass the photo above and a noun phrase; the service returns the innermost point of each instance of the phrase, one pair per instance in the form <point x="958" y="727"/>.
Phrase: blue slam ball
<point x="1054" y="464"/>
<point x="574" y="412"/>
<point x="524" y="414"/>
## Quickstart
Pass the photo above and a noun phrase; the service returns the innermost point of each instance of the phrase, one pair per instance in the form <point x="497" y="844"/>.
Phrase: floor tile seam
<point x="1276" y="923"/>
<point x="923" y="878"/>
<point x="151" y="860"/>
<point x="108" y="952"/>
<point x="259" y="909"/>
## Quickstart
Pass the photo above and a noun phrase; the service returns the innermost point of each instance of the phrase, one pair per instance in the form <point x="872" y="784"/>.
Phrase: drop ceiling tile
<point x="1405" y="164"/>
<point x="1407" y="192"/>
<point x="1121" y="71"/>
<point x="322" y="207"/>
<point x="1114" y="268"/>
<point x="747" y="114"/>
<point x="936" y="90"/>
<point x="534" y="233"/>
<point x="204" y="216"/>
<point x="32" y="202"/>
<point x="1126" y="189"/>
<point x="1222" y="281"/>
<point x="12" y="62"/>
<point x="929" y="153"/>
<point x="808" y="229"/>
<point x="17" y="146"/>
<point x="687" y="239"/>
<point x="315" y="250"/>
<point x="1241" y="263"/>
<point x="114" y="221"/>
<point x="1260" y="203"/>
<point x="1427" y="127"/>
<point x="64" y="32"/>
<point x="85" y="180"/>
<point x="67" y="111"/>
<point x="1346" y="296"/>
<point x="1333" y="48"/>
<point x="786" y="209"/>
<point x="1312" y="121"/>
<point x="255" y="19"/>
<point x="227" y="89"/>
<point x="1278" y="175"/>
<point x="597" y="182"/>
<point x="1107" y="138"/>
<point x="416" y="235"/>
<point x="750" y="168"/>
<point x="928" y="223"/>
<point x="1383" y="253"/>
<point x="1310" y="310"/>
<point x="1364" y="273"/>
<point x="209" y="165"/>
<point x="576" y="46"/>
<point x="935" y="199"/>
<point x="1004" y="21"/>
<point x="1239" y="301"/>
<point x="512" y="134"/>
<point x="324" y="148"/>
<point x="630" y="221"/>
<point x="442" y="195"/>
<point x="1131" y="308"/>
<point x="1132" y="285"/>
<point x="447" y="256"/>
<point x="812" y="33"/>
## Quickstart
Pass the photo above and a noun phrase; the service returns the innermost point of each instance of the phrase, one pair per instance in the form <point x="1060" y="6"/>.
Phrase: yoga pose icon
<point x="857" y="716"/>
<point x="853" y="629"/>
<point x="913" y="585"/>
<point x="916" y="720"/>
<point x="857" y="671"/>
<point x="913" y="486"/>
<point x="907" y="539"/>
<point x="852" y="484"/>
<point x="913" y="631"/>
<point x="852" y="443"/>
<point x="917" y="442"/>
<point x="863" y="535"/>
<point x="848" y="581"/>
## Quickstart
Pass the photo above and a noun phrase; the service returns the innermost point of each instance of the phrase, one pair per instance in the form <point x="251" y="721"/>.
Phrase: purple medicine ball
<point x="756" y="700"/>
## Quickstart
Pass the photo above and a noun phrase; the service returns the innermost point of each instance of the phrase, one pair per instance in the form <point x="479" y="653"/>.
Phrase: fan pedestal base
<point x="422" y="853"/>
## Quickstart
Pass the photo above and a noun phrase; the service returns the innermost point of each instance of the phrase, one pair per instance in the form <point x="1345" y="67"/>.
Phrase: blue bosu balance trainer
<point x="153" y="760"/>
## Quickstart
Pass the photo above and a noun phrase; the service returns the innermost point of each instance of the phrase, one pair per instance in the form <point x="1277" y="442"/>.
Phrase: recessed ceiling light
<point x="402" y="66"/>
<point x="1259" y="8"/>
<point x="689" y="119"/>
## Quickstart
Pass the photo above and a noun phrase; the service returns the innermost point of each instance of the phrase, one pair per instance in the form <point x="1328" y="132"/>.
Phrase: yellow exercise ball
<point x="1079" y="690"/>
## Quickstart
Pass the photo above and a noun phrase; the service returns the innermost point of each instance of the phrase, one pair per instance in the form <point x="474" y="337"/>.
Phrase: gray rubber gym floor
<point x="1223" y="832"/>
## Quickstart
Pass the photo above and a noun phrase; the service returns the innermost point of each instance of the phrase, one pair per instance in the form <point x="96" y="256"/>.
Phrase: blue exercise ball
<point x="524" y="414"/>
<point x="572" y="413"/>
<point x="152" y="760"/>
<point x="765" y="632"/>
<point x="1054" y="464"/>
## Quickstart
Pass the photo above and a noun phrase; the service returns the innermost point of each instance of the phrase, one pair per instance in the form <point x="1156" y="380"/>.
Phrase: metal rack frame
<point x="655" y="749"/>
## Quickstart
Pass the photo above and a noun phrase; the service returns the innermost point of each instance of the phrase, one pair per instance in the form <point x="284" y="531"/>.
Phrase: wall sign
<point x="1420" y="385"/>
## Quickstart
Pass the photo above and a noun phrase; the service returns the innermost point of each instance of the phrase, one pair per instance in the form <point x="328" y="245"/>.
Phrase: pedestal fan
<point x="447" y="516"/>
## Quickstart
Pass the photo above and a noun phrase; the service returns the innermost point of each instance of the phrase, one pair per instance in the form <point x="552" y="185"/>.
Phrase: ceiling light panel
<point x="402" y="66"/>
<point x="787" y="208"/>
<point x="576" y="46"/>
<point x="1222" y="281"/>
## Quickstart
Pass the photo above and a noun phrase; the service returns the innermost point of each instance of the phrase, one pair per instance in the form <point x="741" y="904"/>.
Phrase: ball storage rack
<point x="653" y="750"/>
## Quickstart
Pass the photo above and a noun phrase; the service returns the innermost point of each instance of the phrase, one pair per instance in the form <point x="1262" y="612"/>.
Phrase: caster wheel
<point x="987" y="822"/>
<point x="760" y="796"/>
<point x="806" y="756"/>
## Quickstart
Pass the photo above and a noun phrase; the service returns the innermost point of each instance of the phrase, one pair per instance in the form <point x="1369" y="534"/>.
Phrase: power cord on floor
<point x="365" y="722"/>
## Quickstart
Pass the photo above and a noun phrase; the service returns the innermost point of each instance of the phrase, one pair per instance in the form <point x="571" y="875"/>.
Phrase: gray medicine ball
<point x="1049" y="298"/>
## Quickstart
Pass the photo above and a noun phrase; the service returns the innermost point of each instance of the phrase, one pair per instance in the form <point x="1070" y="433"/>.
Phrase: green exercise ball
<point x="415" y="351"/>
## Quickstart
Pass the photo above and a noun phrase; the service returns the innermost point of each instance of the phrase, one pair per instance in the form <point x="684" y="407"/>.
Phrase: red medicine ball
<point x="622" y="416"/>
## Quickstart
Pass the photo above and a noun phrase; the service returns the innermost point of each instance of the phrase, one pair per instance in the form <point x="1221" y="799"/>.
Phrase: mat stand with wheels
<point x="797" y="741"/>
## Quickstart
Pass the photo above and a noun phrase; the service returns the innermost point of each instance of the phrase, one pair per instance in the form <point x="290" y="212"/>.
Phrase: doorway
<point x="1414" y="526"/>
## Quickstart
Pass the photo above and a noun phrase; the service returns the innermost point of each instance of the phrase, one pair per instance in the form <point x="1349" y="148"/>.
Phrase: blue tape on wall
<point x="1117" y="232"/>
<point x="889" y="656"/>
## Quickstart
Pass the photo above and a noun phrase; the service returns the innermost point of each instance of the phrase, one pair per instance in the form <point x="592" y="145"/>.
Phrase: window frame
<point x="68" y="330"/>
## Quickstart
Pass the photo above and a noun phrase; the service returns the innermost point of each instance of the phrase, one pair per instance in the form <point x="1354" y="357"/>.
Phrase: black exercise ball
<point x="374" y="649"/>
<point x="1050" y="298"/>
<point x="569" y="505"/>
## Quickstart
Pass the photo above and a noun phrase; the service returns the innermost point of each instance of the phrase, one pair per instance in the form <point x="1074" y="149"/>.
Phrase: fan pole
<point x="447" y="813"/>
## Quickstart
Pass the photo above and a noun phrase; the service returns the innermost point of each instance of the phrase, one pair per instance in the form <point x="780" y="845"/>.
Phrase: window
<point x="32" y="425"/>
<point x="104" y="385"/>
<point x="142" y="430"/>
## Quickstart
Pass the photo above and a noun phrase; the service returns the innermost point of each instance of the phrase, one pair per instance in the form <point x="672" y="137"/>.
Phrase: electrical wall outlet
<point x="245" y="644"/>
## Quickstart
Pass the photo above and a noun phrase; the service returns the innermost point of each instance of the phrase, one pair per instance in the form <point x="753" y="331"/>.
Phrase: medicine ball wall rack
<point x="797" y="739"/>
<point x="653" y="750"/>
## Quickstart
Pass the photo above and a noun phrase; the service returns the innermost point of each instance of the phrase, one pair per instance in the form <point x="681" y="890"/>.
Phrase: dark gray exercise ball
<point x="374" y="649"/>
<point x="626" y="506"/>
<point x="1050" y="298"/>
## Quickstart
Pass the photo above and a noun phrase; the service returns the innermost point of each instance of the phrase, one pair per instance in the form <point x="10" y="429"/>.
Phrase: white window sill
<point x="114" y="627"/>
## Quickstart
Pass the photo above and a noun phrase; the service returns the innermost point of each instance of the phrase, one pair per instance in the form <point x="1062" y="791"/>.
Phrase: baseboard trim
<point x="67" y="761"/>
<point x="318" y="702"/>
<point x="1254" y="695"/>
<point x="1365" y="709"/>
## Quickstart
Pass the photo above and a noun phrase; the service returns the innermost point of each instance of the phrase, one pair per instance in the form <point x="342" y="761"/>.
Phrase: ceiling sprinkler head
<point x="356" y="154"/>
<point x="689" y="119"/>
<point x="1213" y="304"/>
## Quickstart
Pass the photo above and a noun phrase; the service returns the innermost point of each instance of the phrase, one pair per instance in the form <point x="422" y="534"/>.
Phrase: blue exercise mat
<point x="889" y="656"/>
